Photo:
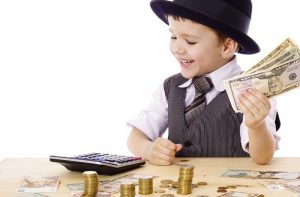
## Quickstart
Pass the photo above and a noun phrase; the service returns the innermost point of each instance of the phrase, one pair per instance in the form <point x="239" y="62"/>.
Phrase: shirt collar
<point x="218" y="76"/>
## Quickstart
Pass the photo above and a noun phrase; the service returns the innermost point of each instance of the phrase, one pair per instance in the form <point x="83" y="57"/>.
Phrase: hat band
<point x="219" y="11"/>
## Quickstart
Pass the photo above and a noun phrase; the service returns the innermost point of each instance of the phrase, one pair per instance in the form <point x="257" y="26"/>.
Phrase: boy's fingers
<point x="178" y="147"/>
<point x="167" y="151"/>
<point x="168" y="144"/>
<point x="259" y="95"/>
<point x="166" y="158"/>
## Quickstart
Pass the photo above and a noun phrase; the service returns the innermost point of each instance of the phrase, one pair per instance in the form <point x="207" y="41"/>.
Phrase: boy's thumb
<point x="178" y="147"/>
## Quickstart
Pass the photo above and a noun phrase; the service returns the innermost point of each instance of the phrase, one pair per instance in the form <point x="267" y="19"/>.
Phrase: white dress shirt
<point x="153" y="120"/>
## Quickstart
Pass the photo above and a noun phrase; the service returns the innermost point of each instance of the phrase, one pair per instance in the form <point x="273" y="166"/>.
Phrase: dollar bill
<point x="34" y="195"/>
<point x="273" y="81"/>
<point x="293" y="186"/>
<point x="284" y="47"/>
<point x="38" y="184"/>
<point x="286" y="56"/>
<point x="235" y="173"/>
<point x="240" y="194"/>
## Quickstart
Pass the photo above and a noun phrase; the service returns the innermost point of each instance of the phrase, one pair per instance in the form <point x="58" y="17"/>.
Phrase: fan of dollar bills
<point x="277" y="73"/>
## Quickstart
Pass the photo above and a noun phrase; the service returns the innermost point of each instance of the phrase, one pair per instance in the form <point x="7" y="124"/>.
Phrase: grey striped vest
<point x="215" y="132"/>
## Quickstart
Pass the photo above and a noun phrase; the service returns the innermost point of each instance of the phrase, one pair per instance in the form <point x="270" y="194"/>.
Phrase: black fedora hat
<point x="230" y="17"/>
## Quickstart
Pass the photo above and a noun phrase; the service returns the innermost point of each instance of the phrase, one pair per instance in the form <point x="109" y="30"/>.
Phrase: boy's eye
<point x="190" y="43"/>
<point x="173" y="38"/>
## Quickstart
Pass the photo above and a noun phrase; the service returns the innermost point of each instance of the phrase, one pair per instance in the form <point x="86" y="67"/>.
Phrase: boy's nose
<point x="177" y="49"/>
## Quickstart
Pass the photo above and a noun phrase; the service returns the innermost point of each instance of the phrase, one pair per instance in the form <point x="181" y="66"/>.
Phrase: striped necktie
<point x="202" y="86"/>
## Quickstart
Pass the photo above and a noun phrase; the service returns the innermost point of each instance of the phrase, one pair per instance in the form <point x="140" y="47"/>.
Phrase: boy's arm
<point x="159" y="152"/>
<point x="262" y="144"/>
<point x="255" y="107"/>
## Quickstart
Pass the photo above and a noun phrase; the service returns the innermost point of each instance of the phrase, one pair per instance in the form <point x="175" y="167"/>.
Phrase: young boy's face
<point x="197" y="48"/>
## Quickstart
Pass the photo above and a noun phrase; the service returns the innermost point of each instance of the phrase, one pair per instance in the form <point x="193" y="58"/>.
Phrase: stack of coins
<point x="146" y="185"/>
<point x="127" y="190"/>
<point x="90" y="183"/>
<point x="185" y="179"/>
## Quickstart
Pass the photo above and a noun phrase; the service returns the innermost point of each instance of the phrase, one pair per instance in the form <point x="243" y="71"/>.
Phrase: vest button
<point x="187" y="143"/>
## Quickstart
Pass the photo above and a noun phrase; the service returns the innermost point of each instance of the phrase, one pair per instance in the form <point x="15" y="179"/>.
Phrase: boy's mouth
<point x="186" y="62"/>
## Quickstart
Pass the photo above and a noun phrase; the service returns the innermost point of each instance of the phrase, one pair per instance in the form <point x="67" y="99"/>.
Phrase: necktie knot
<point x="202" y="84"/>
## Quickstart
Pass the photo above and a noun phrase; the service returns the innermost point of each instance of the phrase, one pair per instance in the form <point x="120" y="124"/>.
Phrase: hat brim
<point x="163" y="8"/>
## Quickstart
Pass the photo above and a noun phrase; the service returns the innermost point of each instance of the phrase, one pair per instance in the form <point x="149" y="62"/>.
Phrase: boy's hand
<point x="255" y="107"/>
<point x="162" y="151"/>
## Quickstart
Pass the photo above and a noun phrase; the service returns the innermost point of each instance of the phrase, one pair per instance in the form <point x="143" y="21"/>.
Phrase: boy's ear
<point x="230" y="47"/>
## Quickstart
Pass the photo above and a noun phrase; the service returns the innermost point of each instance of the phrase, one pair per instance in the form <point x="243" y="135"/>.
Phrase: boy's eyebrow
<point x="185" y="35"/>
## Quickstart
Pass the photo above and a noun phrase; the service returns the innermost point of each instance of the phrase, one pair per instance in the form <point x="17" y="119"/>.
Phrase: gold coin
<point x="184" y="160"/>
<point x="166" y="181"/>
<point x="242" y="185"/>
<point x="167" y="195"/>
<point x="194" y="185"/>
<point x="231" y="186"/>
<point x="90" y="183"/>
<point x="222" y="190"/>
<point x="186" y="167"/>
<point x="202" y="183"/>
<point x="164" y="185"/>
<point x="159" y="191"/>
<point x="174" y="185"/>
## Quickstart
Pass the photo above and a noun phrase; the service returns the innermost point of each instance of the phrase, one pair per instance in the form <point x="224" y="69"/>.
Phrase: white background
<point x="73" y="72"/>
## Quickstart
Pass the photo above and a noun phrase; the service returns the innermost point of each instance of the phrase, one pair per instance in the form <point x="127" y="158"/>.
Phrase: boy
<point x="193" y="105"/>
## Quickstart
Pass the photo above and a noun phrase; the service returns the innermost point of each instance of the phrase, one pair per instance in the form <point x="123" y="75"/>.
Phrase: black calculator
<point x="102" y="163"/>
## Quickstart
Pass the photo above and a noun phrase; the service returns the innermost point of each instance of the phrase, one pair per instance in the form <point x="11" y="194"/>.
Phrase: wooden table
<point x="12" y="170"/>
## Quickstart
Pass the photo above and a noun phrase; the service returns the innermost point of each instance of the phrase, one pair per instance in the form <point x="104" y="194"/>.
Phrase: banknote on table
<point x="241" y="173"/>
<point x="235" y="173"/>
<point x="33" y="195"/>
<point x="292" y="185"/>
<point x="99" y="194"/>
<point x="38" y="184"/>
<point x="274" y="186"/>
<point x="240" y="194"/>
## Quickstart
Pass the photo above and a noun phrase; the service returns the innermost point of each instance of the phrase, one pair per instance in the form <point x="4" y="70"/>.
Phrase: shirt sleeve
<point x="270" y="122"/>
<point x="153" y="120"/>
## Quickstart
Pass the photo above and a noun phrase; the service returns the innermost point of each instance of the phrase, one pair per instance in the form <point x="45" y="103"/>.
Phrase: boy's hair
<point x="221" y="36"/>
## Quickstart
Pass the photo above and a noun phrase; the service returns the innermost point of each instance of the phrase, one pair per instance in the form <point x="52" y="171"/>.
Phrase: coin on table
<point x="184" y="160"/>
<point x="159" y="191"/>
<point x="172" y="189"/>
<point x="201" y="183"/>
<point x="231" y="187"/>
<point x="164" y="185"/>
<point x="194" y="185"/>
<point x="174" y="185"/>
<point x="167" y="195"/>
<point x="221" y="190"/>
<point x="242" y="185"/>
<point x="166" y="181"/>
